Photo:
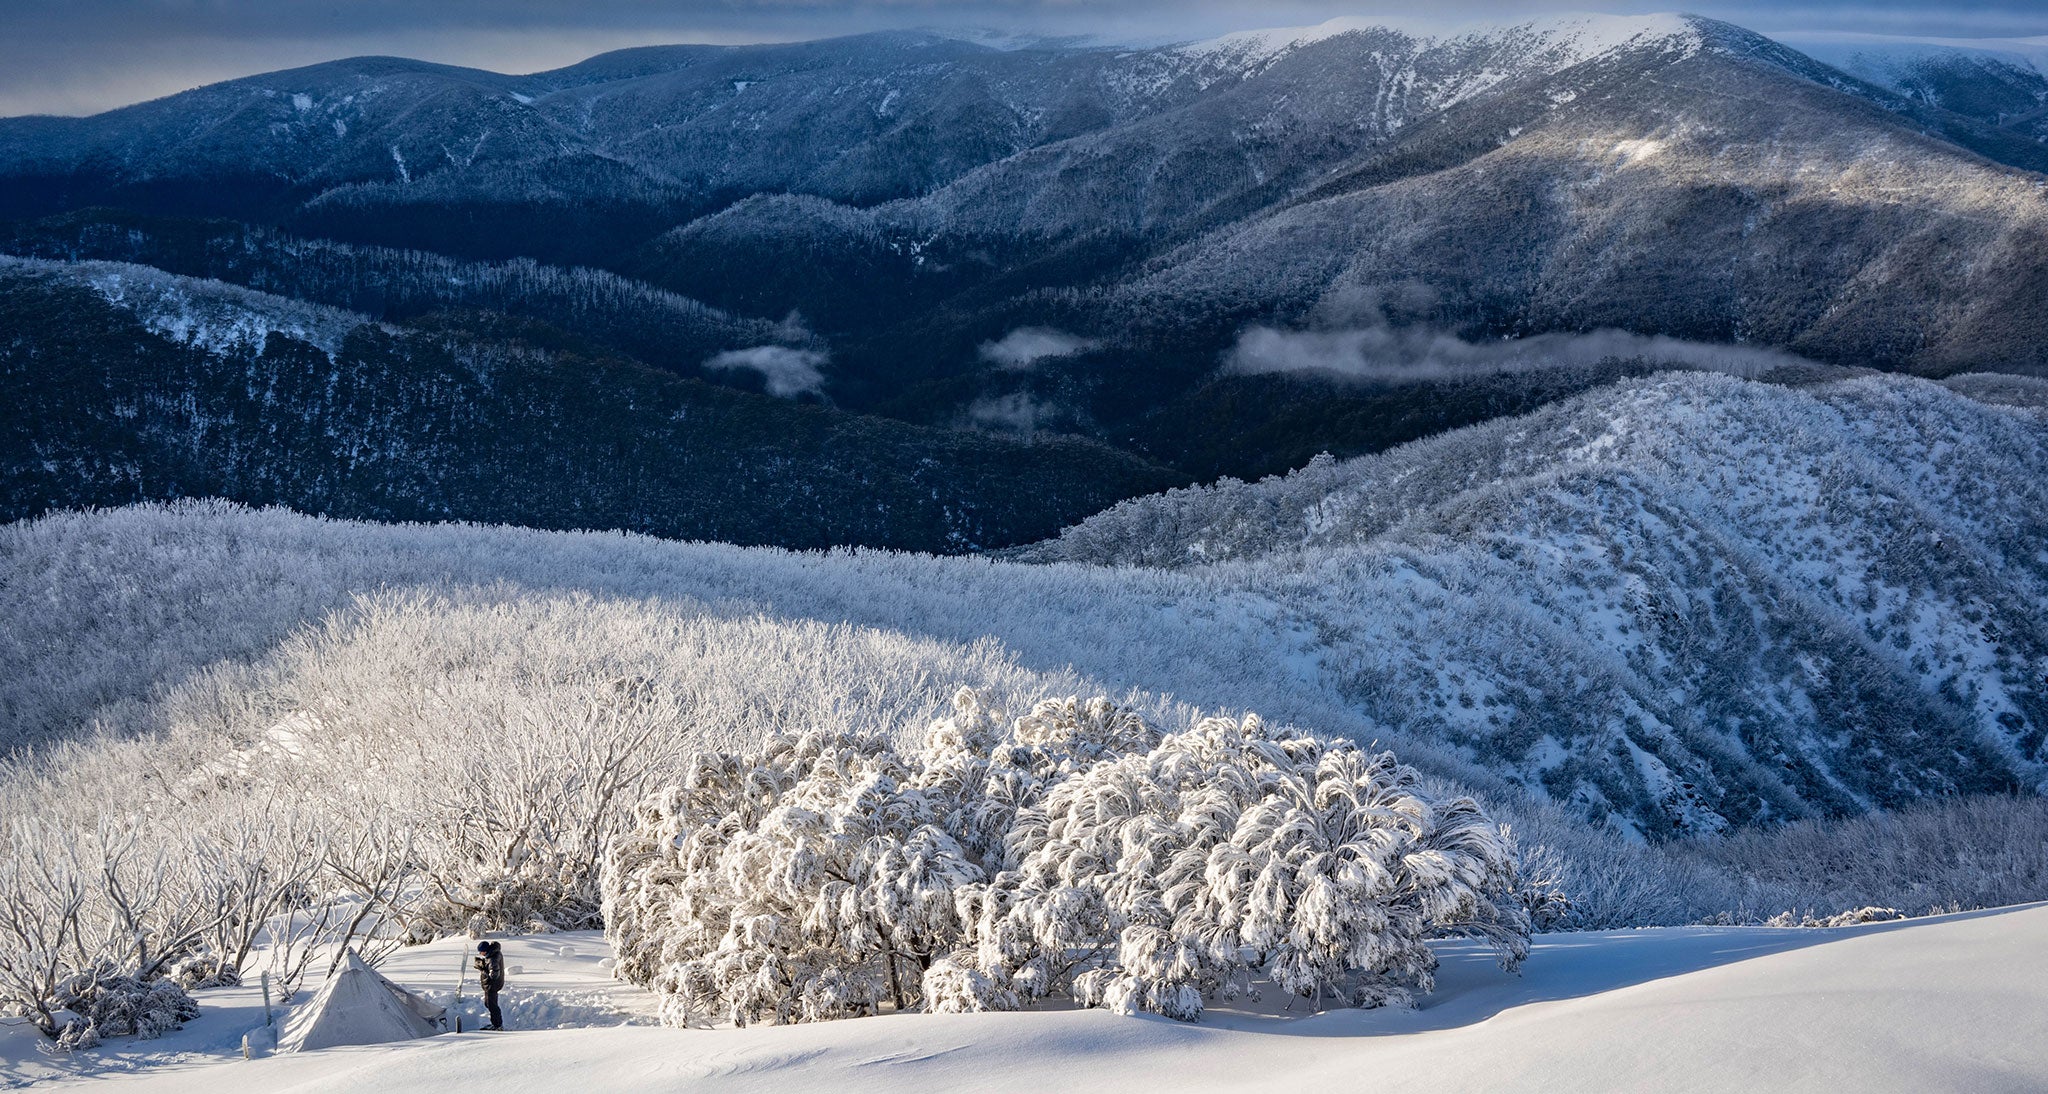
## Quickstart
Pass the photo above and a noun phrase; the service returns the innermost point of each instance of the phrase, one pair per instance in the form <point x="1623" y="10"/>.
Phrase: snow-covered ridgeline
<point x="1871" y="519"/>
<point x="209" y="315"/>
<point x="1557" y="42"/>
<point x="1885" y="55"/>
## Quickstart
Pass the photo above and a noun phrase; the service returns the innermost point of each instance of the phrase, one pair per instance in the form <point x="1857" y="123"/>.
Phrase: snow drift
<point x="1934" y="1004"/>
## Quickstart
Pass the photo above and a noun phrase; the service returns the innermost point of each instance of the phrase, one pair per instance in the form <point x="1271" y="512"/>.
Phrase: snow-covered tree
<point x="1074" y="851"/>
<point x="822" y="875"/>
<point x="808" y="881"/>
<point x="1227" y="855"/>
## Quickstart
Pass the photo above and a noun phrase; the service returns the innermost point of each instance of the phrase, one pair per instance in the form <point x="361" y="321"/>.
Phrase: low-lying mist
<point x="1386" y="354"/>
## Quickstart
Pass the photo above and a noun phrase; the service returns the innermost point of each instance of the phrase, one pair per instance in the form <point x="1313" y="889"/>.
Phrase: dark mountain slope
<point x="120" y="383"/>
<point x="650" y="325"/>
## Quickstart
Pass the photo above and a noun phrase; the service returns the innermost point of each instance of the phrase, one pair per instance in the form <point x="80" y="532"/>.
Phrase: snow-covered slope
<point x="2000" y="81"/>
<point x="1926" y="1004"/>
<point x="1676" y="604"/>
<point x="1707" y="561"/>
<point x="210" y="315"/>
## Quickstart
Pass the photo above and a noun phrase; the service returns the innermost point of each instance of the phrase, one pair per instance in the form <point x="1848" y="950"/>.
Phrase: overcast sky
<point x="80" y="56"/>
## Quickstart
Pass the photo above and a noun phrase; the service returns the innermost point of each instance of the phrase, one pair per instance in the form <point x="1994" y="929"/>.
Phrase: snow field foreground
<point x="1948" y="1003"/>
<point x="563" y="982"/>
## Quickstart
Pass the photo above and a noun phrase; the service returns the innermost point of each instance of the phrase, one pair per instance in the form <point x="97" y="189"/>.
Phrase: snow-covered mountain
<point x="858" y="120"/>
<point x="2002" y="82"/>
<point x="1713" y="577"/>
<point x="1672" y="605"/>
<point x="1684" y="603"/>
<point x="916" y="195"/>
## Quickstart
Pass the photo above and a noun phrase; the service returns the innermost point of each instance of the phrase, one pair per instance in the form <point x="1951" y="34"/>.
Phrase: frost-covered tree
<point x="822" y="875"/>
<point x="986" y="771"/>
<point x="1075" y="850"/>
<point x="1228" y="854"/>
<point x="808" y="881"/>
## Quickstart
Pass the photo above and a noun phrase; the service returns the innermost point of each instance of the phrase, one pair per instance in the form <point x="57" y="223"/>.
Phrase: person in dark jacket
<point x="490" y="975"/>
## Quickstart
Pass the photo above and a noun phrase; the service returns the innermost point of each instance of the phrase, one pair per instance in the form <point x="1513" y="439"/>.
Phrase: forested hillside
<point x="123" y="384"/>
<point x="1673" y="606"/>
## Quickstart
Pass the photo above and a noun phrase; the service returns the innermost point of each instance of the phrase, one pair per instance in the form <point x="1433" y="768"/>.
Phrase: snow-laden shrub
<point x="1074" y="850"/>
<point x="955" y="986"/>
<point x="987" y="771"/>
<point x="1227" y="855"/>
<point x="808" y="881"/>
<point x="203" y="970"/>
<point x="123" y="1006"/>
<point x="1854" y="917"/>
<point x="821" y="875"/>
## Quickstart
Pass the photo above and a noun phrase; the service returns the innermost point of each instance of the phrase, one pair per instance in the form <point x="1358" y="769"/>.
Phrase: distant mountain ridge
<point x="2001" y="82"/>
<point x="948" y="165"/>
<point x="892" y="205"/>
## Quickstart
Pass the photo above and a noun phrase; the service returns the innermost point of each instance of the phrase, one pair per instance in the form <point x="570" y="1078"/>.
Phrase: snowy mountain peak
<point x="1562" y="40"/>
<point x="1885" y="51"/>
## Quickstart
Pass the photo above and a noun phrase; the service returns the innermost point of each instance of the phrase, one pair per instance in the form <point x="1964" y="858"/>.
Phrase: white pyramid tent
<point x="357" y="1006"/>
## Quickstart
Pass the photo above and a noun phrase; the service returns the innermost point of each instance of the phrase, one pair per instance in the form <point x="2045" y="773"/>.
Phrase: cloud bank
<point x="785" y="372"/>
<point x="1382" y="354"/>
<point x="1018" y="414"/>
<point x="1022" y="349"/>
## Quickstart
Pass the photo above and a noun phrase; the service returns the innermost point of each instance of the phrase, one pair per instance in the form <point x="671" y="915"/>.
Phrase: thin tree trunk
<point x="895" y="981"/>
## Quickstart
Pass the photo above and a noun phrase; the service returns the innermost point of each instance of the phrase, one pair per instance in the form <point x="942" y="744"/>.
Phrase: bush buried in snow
<point x="1074" y="852"/>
